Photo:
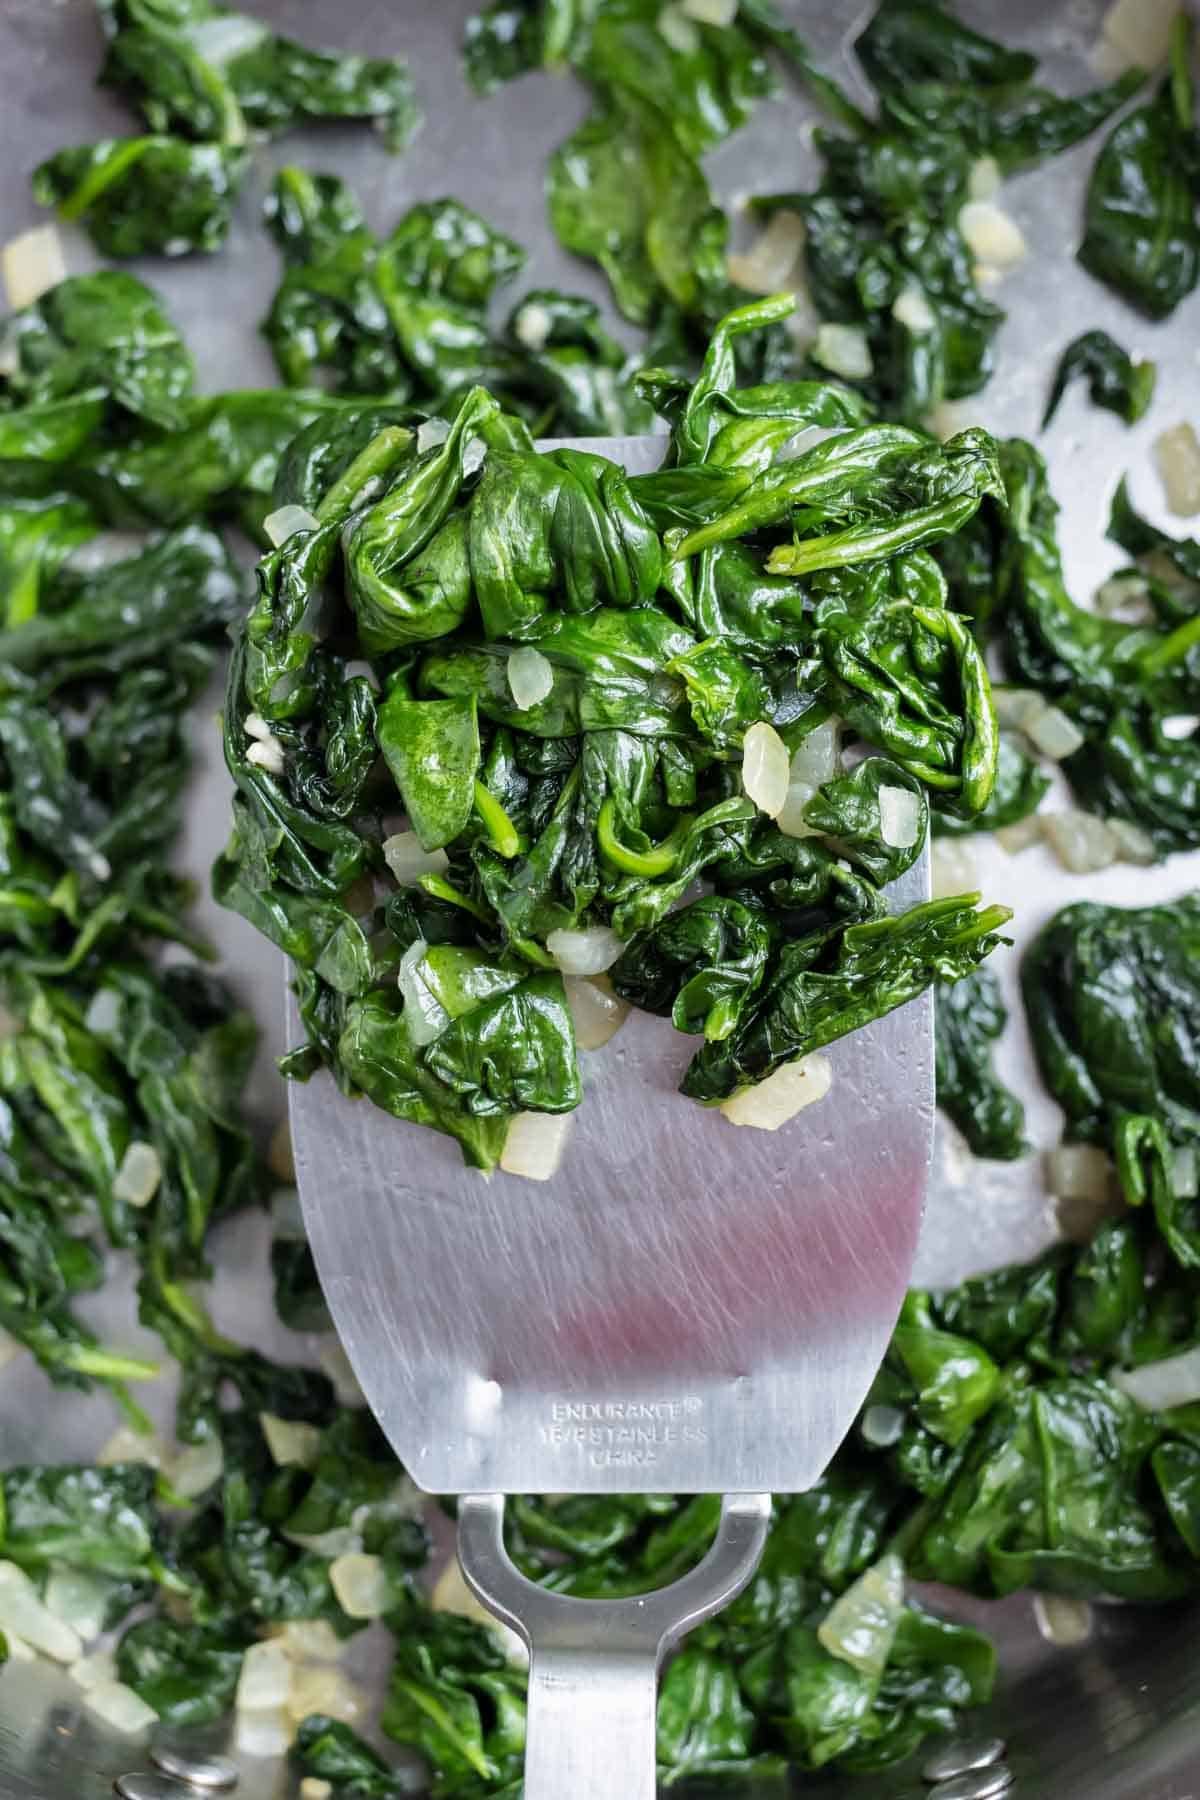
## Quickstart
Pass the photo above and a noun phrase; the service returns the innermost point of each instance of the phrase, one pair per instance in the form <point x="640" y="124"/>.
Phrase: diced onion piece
<point x="361" y="1585"/>
<point x="991" y="234"/>
<point x="912" y="310"/>
<point x="1017" y="707"/>
<point x="32" y="263"/>
<point x="678" y="29"/>
<point x="946" y="419"/>
<point x="843" y="350"/>
<point x="408" y="861"/>
<point x="263" y="1732"/>
<point x="255" y="726"/>
<point x="287" y="1216"/>
<point x="530" y="676"/>
<point x="596" y="1012"/>
<point x="267" y="754"/>
<point x="1020" y="835"/>
<point x="860" y="1627"/>
<point x="336" y="1365"/>
<point x="817" y="757"/>
<point x="195" y="1467"/>
<point x="766" y="769"/>
<point x="474" y="456"/>
<point x="79" y="1599"/>
<point x="1133" y="844"/>
<point x="291" y="1443"/>
<point x="711" y="12"/>
<point x="424" y="1016"/>
<point x="1056" y="736"/>
<point x="1083" y="845"/>
<point x="782" y="1095"/>
<point x="89" y="1671"/>
<point x="23" y="1613"/>
<point x="309" y="1640"/>
<point x="790" y="819"/>
<point x="882" y="1425"/>
<point x="983" y="178"/>
<point x="1137" y="32"/>
<point x="314" y="1788"/>
<point x="769" y="266"/>
<point x="103" y="1013"/>
<point x="279" y="526"/>
<point x="1079" y="1172"/>
<point x="533" y="325"/>
<point x="1179" y="725"/>
<point x="1185" y="1172"/>
<point x="452" y="1595"/>
<point x="119" y="1707"/>
<point x="320" y="1688"/>
<point x="899" y="817"/>
<point x="587" y="952"/>
<point x="1158" y="1386"/>
<point x="1177" y="453"/>
<point x="138" y="1177"/>
<point x="1128" y="587"/>
<point x="340" y="1540"/>
<point x="1062" y="1620"/>
<point x="534" y="1144"/>
<point x="129" y="1446"/>
<point x="953" y="868"/>
<point x="431" y="433"/>
<point x="265" y="1678"/>
<point x="280" y="1160"/>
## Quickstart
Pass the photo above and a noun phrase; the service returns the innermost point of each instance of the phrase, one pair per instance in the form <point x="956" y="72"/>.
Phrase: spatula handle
<point x="593" y="1675"/>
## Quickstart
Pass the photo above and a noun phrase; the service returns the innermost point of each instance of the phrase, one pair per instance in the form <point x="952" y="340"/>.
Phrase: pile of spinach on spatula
<point x="207" y="81"/>
<point x="584" y="691"/>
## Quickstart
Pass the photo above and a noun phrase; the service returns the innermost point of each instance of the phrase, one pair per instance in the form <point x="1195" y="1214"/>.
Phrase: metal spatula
<point x="686" y="1307"/>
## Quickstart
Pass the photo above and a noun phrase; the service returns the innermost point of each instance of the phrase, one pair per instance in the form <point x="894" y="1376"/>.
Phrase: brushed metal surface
<point x="687" y="1306"/>
<point x="1118" y="1718"/>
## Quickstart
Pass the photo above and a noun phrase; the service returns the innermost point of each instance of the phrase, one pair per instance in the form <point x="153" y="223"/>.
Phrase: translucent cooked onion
<point x="195" y="1467"/>
<point x="882" y="1425"/>
<point x="782" y="1095"/>
<point x="79" y="1599"/>
<point x="1062" y="1620"/>
<point x="991" y="234"/>
<point x="1185" y="1172"/>
<point x="953" y="868"/>
<point x="1177" y="453"/>
<point x="1083" y="845"/>
<point x="279" y="526"/>
<point x="127" y="1445"/>
<point x="860" y="1627"/>
<point x="267" y="754"/>
<point x="1079" y="1172"/>
<point x="769" y="266"/>
<point x="1019" y="836"/>
<point x="678" y="29"/>
<point x="587" y="952"/>
<point x="817" y="757"/>
<point x="408" y="860"/>
<point x="1133" y="844"/>
<point x="1177" y="726"/>
<point x="533" y="325"/>
<point x="119" y="1707"/>
<point x="1056" y="736"/>
<point x="1128" y="587"/>
<point x="339" y="1540"/>
<point x="452" y="1595"/>
<point x="843" y="350"/>
<point x="32" y="264"/>
<point x="255" y="726"/>
<point x="431" y="434"/>
<point x="320" y="1688"/>
<point x="596" y="1012"/>
<point x="1137" y="32"/>
<point x="1158" y="1386"/>
<point x="137" y="1179"/>
<point x="791" y="820"/>
<point x="24" y="1614"/>
<point x="912" y="310"/>
<point x="291" y="1443"/>
<point x="280" y="1160"/>
<point x="309" y="1640"/>
<point x="530" y="676"/>
<point x="899" y="817"/>
<point x="104" y="1012"/>
<point x="265" y="1733"/>
<point x="535" y="1144"/>
<point x="314" y="1788"/>
<point x="983" y="178"/>
<point x="265" y="1678"/>
<point x="89" y="1671"/>
<point x="361" y="1585"/>
<point x="1017" y="707"/>
<point x="766" y="769"/>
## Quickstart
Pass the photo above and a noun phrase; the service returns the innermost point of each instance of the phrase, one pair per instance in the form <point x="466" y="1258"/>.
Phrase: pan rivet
<point x="976" y="1784"/>
<point x="195" y="1766"/>
<point x="960" y="1756"/>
